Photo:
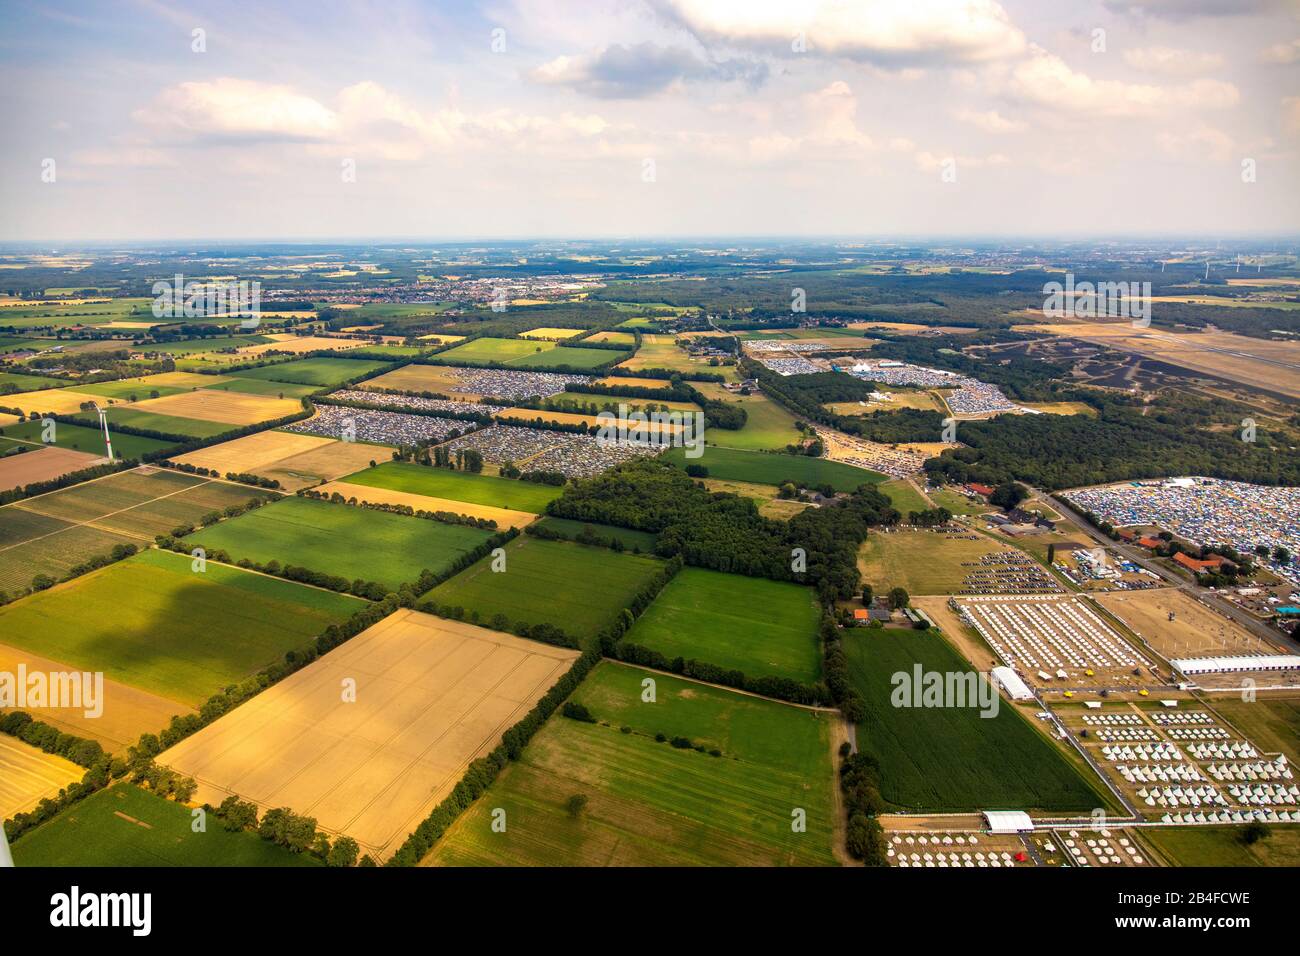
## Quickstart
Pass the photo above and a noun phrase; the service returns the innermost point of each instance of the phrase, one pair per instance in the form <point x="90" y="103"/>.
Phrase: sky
<point x="146" y="120"/>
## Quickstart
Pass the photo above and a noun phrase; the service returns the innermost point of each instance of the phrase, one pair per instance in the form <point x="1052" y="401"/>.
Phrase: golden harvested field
<point x="430" y="696"/>
<point x="301" y="344"/>
<point x="550" y="333"/>
<point x="634" y="382"/>
<point x="215" y="405"/>
<point x="422" y="378"/>
<point x="28" y="775"/>
<point x="61" y="401"/>
<point x="1237" y="358"/>
<point x="185" y="379"/>
<point x="325" y="463"/>
<point x="1195" y="631"/>
<point x="252" y="453"/>
<point x="42" y="464"/>
<point x="127" y="713"/>
<point x="922" y="400"/>
<point x="504" y="517"/>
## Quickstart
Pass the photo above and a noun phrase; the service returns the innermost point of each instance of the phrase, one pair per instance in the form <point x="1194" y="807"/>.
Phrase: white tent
<point x="1007" y="821"/>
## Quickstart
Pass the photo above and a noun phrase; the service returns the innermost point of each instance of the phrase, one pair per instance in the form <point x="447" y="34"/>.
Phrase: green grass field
<point x="760" y="627"/>
<point x="122" y="390"/>
<point x="152" y="622"/>
<point x="768" y="427"/>
<point x="770" y="469"/>
<point x="29" y="383"/>
<point x="1222" y="846"/>
<point x="650" y="804"/>
<point x="458" y="486"/>
<point x="578" y="588"/>
<point x="951" y="758"/>
<point x="314" y="371"/>
<point x="489" y="349"/>
<point x="632" y="540"/>
<point x="342" y="540"/>
<point x="255" y="386"/>
<point x="903" y="497"/>
<point x="921" y="562"/>
<point x="124" y="825"/>
<point x="576" y="357"/>
<point x="82" y="438"/>
<point x="167" y="424"/>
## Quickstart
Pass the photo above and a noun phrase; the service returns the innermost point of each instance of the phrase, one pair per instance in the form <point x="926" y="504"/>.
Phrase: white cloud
<point x="1281" y="54"/>
<point x="366" y="119"/>
<point x="1047" y="80"/>
<point x="1172" y="62"/>
<point x="885" y="32"/>
<point x="229" y="107"/>
<point x="1195" y="145"/>
<point x="628" y="72"/>
<point x="991" y="121"/>
<point x="930" y="162"/>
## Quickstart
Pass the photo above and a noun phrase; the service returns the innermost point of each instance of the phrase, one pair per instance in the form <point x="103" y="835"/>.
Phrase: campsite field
<point x="1271" y="722"/>
<point x="458" y="486"/>
<point x="431" y="695"/>
<point x="760" y="627"/>
<point x="922" y="562"/>
<point x="29" y="775"/>
<point x="773" y="469"/>
<point x="439" y="379"/>
<point x="649" y="803"/>
<point x="154" y="623"/>
<point x="314" y="371"/>
<point x="124" y="825"/>
<point x="577" y="588"/>
<point x="342" y="540"/>
<point x="952" y="758"/>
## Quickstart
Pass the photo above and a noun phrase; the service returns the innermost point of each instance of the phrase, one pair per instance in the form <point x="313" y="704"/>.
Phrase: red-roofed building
<point x="1213" y="563"/>
<point x="1150" y="542"/>
<point x="984" y="490"/>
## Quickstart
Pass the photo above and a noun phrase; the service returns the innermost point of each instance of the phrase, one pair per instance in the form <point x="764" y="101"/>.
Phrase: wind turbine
<point x="103" y="423"/>
<point x="1207" y="268"/>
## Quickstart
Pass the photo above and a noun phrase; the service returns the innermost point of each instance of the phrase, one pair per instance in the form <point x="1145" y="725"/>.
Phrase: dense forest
<point x="725" y="531"/>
